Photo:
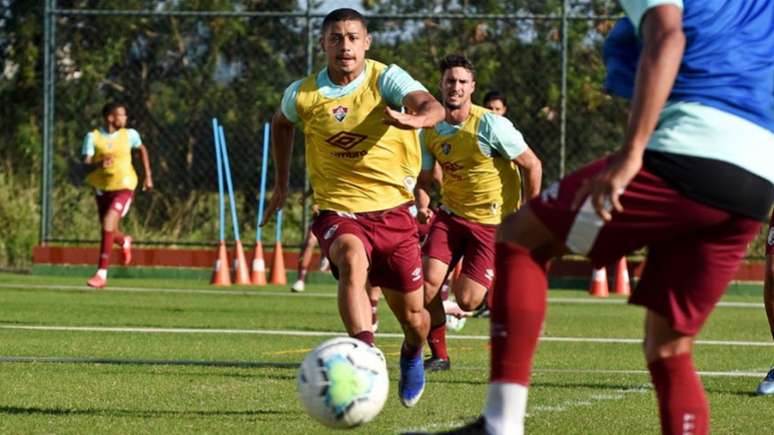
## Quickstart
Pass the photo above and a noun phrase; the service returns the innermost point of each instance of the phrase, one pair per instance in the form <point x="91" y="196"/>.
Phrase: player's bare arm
<point x="147" y="183"/>
<point x="663" y="46"/>
<point x="533" y="172"/>
<point x="424" y="184"/>
<point x="422" y="111"/>
<point x="282" y="150"/>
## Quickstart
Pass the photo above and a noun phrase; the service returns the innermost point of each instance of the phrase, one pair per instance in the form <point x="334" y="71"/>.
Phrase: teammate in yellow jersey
<point x="107" y="156"/>
<point x="479" y="152"/>
<point x="363" y="157"/>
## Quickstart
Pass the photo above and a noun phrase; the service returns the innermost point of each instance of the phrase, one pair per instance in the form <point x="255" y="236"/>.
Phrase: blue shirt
<point x="88" y="141"/>
<point x="496" y="136"/>
<point x="728" y="61"/>
<point x="394" y="85"/>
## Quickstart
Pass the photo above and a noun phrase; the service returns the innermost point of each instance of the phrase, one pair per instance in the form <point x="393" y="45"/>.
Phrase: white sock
<point x="506" y="405"/>
<point x="102" y="273"/>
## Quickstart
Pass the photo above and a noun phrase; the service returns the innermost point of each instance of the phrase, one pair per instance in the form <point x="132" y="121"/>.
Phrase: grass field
<point x="151" y="356"/>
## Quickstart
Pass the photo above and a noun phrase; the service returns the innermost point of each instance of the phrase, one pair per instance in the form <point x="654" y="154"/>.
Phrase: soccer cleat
<point x="298" y="286"/>
<point x="435" y="364"/>
<point x="126" y="249"/>
<point x="96" y="281"/>
<point x="766" y="387"/>
<point x="412" y="380"/>
<point x="477" y="427"/>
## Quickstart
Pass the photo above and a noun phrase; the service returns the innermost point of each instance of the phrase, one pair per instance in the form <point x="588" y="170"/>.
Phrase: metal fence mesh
<point x="176" y="70"/>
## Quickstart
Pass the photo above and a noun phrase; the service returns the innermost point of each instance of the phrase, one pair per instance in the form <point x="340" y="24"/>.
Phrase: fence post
<point x="309" y="65"/>
<point x="563" y="98"/>
<point x="49" y="69"/>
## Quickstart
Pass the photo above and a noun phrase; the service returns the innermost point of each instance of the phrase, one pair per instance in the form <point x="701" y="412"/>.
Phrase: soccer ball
<point x="343" y="383"/>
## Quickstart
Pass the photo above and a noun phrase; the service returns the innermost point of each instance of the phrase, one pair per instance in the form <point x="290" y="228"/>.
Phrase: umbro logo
<point x="770" y="239"/>
<point x="345" y="139"/>
<point x="416" y="275"/>
<point x="331" y="231"/>
<point x="489" y="274"/>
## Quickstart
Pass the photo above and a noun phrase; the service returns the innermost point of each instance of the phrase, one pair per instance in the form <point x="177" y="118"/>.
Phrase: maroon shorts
<point x="423" y="230"/>
<point x="694" y="250"/>
<point x="770" y="237"/>
<point x="452" y="237"/>
<point x="390" y="240"/>
<point x="118" y="200"/>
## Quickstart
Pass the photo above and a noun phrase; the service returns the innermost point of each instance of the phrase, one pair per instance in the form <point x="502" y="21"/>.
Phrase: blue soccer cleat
<point x="766" y="387"/>
<point x="412" y="380"/>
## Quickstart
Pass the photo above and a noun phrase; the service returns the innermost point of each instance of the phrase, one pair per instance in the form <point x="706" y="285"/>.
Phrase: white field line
<point x="294" y="333"/>
<point x="330" y="295"/>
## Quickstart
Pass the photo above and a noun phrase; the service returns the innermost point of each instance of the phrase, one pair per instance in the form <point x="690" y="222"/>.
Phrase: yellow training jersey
<point x="120" y="175"/>
<point x="356" y="162"/>
<point x="477" y="187"/>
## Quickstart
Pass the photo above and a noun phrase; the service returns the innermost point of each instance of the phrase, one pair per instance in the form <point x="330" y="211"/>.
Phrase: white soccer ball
<point x="343" y="383"/>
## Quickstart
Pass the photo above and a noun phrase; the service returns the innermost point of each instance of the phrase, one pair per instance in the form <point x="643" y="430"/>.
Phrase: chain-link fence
<point x="176" y="68"/>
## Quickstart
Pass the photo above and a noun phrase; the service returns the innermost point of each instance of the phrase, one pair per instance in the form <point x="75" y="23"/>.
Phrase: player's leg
<point x="112" y="206"/>
<point x="471" y="287"/>
<point x="348" y="254"/>
<point x="438" y="250"/>
<point x="374" y="294"/>
<point x="684" y="278"/>
<point x="767" y="384"/>
<point x="304" y="259"/>
<point x="125" y="242"/>
<point x="409" y="309"/>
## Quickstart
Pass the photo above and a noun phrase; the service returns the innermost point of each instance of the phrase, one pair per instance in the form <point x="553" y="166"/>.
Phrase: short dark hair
<point x="111" y="107"/>
<point x="453" y="60"/>
<point x="495" y="95"/>
<point x="343" y="14"/>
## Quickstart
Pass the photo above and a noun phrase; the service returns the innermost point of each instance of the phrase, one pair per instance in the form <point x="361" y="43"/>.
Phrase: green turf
<point x="210" y="381"/>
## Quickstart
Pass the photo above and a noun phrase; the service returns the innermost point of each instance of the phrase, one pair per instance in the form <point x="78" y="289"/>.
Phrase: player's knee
<point x="469" y="301"/>
<point x="414" y="317"/>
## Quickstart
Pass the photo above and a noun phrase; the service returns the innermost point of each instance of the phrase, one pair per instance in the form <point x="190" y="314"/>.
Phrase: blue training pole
<point x="221" y="199"/>
<point x="264" y="169"/>
<point x="278" y="229"/>
<point x="227" y="170"/>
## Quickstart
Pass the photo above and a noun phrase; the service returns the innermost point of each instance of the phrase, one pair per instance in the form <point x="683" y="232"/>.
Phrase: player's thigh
<point x="341" y="239"/>
<point x="435" y="271"/>
<point x="684" y="277"/>
<point x="441" y="242"/>
<point x="404" y="305"/>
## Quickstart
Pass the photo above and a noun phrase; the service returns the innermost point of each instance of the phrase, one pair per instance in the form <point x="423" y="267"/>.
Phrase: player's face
<point x="457" y="86"/>
<point x="118" y="118"/>
<point x="496" y="106"/>
<point x="345" y="44"/>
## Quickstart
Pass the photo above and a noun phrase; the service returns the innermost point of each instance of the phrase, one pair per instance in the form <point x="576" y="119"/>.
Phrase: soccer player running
<point x="363" y="158"/>
<point x="479" y="153"/>
<point x="766" y="387"/>
<point x="107" y="156"/>
<point x="692" y="182"/>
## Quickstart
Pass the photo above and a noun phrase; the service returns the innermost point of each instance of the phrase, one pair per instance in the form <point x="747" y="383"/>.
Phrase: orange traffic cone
<point x="258" y="271"/>
<point x="241" y="273"/>
<point x="622" y="286"/>
<point x="278" y="266"/>
<point x="598" y="287"/>
<point x="220" y="273"/>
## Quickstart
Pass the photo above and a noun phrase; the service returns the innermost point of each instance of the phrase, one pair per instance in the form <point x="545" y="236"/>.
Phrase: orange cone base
<point x="258" y="271"/>
<point x="220" y="272"/>
<point x="241" y="272"/>
<point x="278" y="266"/>
<point x="598" y="287"/>
<point x="622" y="284"/>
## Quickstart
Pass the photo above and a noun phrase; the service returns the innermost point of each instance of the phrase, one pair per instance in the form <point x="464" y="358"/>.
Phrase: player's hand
<point x="606" y="187"/>
<point x="107" y="162"/>
<point x="278" y="198"/>
<point x="147" y="184"/>
<point x="424" y="215"/>
<point x="402" y="120"/>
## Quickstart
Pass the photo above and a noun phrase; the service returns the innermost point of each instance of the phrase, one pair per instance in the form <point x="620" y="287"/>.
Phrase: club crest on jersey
<point x="340" y="112"/>
<point x="446" y="148"/>
<point x="109" y="146"/>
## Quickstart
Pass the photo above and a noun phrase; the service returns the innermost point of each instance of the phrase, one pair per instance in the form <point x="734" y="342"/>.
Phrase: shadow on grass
<point x="16" y="410"/>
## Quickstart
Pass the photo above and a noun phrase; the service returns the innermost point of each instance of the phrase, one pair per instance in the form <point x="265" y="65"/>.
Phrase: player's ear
<point x="322" y="43"/>
<point x="367" y="41"/>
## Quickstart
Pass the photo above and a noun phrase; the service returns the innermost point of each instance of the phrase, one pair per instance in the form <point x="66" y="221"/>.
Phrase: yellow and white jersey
<point x="356" y="162"/>
<point x="118" y="146"/>
<point x="480" y="181"/>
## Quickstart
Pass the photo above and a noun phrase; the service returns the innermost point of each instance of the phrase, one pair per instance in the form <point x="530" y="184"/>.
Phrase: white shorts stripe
<point x="585" y="229"/>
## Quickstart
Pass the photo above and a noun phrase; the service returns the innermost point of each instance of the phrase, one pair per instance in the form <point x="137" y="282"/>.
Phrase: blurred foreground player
<point x="692" y="182"/>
